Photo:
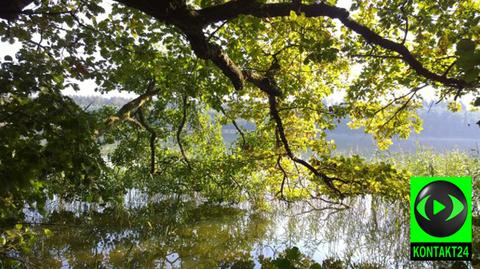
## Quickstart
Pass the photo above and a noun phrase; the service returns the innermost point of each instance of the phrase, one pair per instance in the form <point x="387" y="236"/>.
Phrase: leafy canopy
<point x="199" y="65"/>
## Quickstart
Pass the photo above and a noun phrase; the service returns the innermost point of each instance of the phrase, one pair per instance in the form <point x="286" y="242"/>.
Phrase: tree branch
<point x="210" y="51"/>
<point x="234" y="9"/>
<point x="285" y="177"/>
<point x="192" y="22"/>
<point x="405" y="16"/>
<point x="376" y="56"/>
<point x="126" y="110"/>
<point x="153" y="137"/>
<point x="268" y="85"/>
<point x="9" y="10"/>
<point x="244" y="142"/>
<point x="180" y="129"/>
<point x="281" y="131"/>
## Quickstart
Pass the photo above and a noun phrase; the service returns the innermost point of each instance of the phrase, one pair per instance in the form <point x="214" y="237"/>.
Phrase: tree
<point x="271" y="63"/>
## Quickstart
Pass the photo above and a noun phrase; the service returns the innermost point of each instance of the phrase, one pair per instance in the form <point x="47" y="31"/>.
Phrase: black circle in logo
<point x="440" y="208"/>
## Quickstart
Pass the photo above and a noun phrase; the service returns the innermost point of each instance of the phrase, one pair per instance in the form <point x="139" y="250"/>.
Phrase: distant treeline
<point x="95" y="102"/>
<point x="438" y="121"/>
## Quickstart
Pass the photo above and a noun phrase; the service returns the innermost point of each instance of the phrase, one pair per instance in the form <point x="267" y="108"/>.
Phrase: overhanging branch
<point x="234" y="9"/>
<point x="210" y="51"/>
<point x="192" y="22"/>
<point x="281" y="131"/>
<point x="272" y="92"/>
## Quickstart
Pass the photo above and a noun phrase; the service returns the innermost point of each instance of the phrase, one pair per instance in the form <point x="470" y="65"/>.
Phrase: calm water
<point x="364" y="144"/>
<point x="372" y="233"/>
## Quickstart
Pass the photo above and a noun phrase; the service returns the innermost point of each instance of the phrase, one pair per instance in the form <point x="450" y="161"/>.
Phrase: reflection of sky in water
<point x="356" y="235"/>
<point x="372" y="230"/>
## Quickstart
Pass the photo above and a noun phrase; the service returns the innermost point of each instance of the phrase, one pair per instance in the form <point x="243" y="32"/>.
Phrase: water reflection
<point x="373" y="233"/>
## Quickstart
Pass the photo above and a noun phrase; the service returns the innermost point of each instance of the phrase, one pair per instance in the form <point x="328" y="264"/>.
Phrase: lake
<point x="162" y="232"/>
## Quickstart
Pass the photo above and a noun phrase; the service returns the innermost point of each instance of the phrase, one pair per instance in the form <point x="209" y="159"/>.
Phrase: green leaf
<point x="293" y="254"/>
<point x="472" y="75"/>
<point x="454" y="106"/>
<point x="47" y="232"/>
<point x="468" y="60"/>
<point x="58" y="78"/>
<point x="477" y="102"/>
<point x="465" y="45"/>
<point x="293" y="15"/>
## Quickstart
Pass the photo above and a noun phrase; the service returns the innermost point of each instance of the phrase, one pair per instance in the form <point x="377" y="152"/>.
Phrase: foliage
<point x="227" y="233"/>
<point x="48" y="147"/>
<point x="273" y="64"/>
<point x="427" y="162"/>
<point x="17" y="240"/>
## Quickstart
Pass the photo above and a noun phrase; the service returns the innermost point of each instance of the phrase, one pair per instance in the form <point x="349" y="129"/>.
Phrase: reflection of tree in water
<point x="373" y="233"/>
<point x="161" y="236"/>
<point x="373" y="230"/>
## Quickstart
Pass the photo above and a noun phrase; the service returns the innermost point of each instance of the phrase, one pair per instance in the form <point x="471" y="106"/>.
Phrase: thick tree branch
<point x="407" y="56"/>
<point x="234" y="9"/>
<point x="10" y="9"/>
<point x="192" y="23"/>
<point x="265" y="84"/>
<point x="376" y="56"/>
<point x="129" y="108"/>
<point x="210" y="51"/>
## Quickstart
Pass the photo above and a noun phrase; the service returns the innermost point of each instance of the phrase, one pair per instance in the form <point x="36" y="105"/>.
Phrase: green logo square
<point x="440" y="217"/>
